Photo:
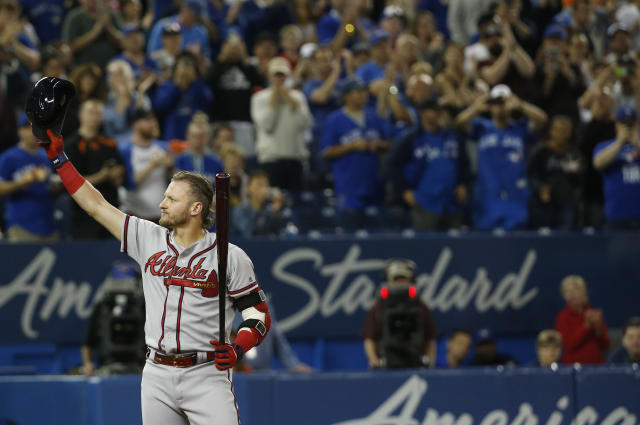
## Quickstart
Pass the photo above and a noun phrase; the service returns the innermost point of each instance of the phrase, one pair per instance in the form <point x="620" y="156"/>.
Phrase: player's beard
<point x="171" y="221"/>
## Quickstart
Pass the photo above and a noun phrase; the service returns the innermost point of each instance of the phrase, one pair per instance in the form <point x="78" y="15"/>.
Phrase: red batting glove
<point x="226" y="355"/>
<point x="55" y="146"/>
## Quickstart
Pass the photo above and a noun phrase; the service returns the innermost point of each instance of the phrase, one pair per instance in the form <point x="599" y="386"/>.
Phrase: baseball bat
<point x="222" y="236"/>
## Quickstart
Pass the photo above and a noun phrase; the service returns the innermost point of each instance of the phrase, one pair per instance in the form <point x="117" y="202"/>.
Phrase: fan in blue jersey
<point x="437" y="171"/>
<point x="618" y="161"/>
<point x="321" y="89"/>
<point x="176" y="100"/>
<point x="323" y="96"/>
<point x="373" y="71"/>
<point x="24" y="182"/>
<point x="501" y="192"/>
<point x="197" y="156"/>
<point x="353" y="139"/>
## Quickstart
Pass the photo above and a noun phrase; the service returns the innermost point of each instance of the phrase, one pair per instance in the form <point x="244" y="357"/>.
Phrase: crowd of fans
<point x="333" y="114"/>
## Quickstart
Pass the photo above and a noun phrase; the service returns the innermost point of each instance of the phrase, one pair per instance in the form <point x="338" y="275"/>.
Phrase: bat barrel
<point x="222" y="237"/>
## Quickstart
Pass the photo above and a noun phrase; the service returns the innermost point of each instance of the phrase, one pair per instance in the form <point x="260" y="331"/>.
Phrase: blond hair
<point x="200" y="119"/>
<point x="421" y="67"/>
<point x="291" y="30"/>
<point x="122" y="65"/>
<point x="573" y="280"/>
<point x="549" y="337"/>
<point x="231" y="150"/>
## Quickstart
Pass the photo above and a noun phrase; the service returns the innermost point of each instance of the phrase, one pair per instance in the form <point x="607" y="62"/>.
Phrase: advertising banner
<point x="323" y="288"/>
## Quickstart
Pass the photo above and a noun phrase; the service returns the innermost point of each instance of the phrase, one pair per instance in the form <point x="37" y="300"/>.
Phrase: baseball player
<point x="187" y="377"/>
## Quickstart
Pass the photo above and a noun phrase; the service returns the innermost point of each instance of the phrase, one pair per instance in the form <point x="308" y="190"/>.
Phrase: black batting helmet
<point x="47" y="105"/>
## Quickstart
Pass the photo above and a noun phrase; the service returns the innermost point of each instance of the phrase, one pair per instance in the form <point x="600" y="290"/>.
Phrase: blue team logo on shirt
<point x="488" y="141"/>
<point x="493" y="140"/>
<point x="431" y="153"/>
<point x="356" y="133"/>
<point x="631" y="174"/>
<point x="515" y="157"/>
<point x="630" y="156"/>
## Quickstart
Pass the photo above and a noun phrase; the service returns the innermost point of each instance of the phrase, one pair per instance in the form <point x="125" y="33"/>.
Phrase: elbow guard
<point x="257" y="320"/>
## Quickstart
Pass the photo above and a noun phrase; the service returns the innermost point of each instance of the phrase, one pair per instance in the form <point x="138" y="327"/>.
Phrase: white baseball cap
<point x="499" y="93"/>
<point x="279" y="65"/>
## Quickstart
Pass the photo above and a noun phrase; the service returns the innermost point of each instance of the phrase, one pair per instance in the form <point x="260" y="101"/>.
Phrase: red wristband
<point x="71" y="179"/>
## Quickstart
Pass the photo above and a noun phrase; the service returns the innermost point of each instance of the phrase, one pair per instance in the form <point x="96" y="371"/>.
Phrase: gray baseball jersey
<point x="181" y="285"/>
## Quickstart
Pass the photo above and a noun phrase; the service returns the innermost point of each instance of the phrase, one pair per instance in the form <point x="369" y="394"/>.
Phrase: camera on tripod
<point x="117" y="323"/>
<point x="401" y="343"/>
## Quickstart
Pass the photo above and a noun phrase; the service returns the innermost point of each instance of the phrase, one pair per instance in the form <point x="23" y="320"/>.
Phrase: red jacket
<point x="581" y="345"/>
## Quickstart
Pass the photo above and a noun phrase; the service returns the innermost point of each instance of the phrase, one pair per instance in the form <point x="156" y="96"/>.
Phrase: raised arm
<point x="608" y="155"/>
<point x="83" y="192"/>
<point x="476" y="108"/>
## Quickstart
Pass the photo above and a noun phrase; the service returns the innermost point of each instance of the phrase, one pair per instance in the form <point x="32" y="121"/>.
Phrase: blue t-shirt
<point x="356" y="175"/>
<point x="328" y="26"/>
<point x="501" y="192"/>
<point x="175" y="107"/>
<point x="47" y="17"/>
<point x="320" y="111"/>
<point x="32" y="207"/>
<point x="433" y="170"/>
<point x="621" y="183"/>
<point x="208" y="164"/>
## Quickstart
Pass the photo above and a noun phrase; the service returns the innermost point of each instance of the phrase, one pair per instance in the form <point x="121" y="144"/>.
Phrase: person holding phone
<point x="618" y="160"/>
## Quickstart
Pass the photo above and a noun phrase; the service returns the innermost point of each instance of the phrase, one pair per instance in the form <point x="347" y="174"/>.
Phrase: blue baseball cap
<point x="378" y="36"/>
<point x="352" y="83"/>
<point x="564" y="19"/>
<point x="627" y="113"/>
<point x="195" y="5"/>
<point x="555" y="31"/>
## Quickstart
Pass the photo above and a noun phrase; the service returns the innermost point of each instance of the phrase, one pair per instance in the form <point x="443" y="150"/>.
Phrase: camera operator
<point x="618" y="161"/>
<point x="404" y="314"/>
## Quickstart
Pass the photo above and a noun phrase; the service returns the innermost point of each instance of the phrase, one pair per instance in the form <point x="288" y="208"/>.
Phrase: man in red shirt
<point x="584" y="333"/>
